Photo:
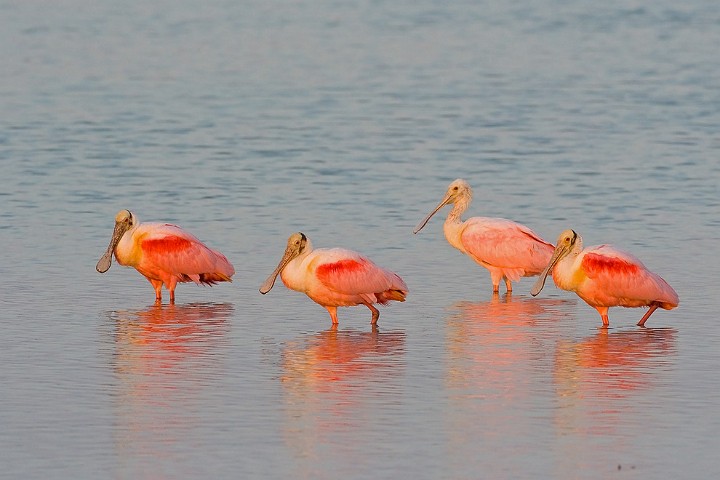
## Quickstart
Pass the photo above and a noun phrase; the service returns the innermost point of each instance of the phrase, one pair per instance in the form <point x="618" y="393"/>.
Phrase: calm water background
<point x="247" y="121"/>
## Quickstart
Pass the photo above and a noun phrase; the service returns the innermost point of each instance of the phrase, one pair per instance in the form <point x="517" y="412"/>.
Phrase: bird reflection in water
<point x="333" y="382"/>
<point x="165" y="358"/>
<point x="599" y="379"/>
<point x="492" y="345"/>
<point x="497" y="365"/>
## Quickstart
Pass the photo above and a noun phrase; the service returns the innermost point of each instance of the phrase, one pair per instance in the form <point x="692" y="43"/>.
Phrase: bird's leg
<point x="171" y="287"/>
<point x="333" y="314"/>
<point x="157" y="285"/>
<point x="495" y="277"/>
<point x="642" y="321"/>
<point x="508" y="285"/>
<point x="604" y="315"/>
<point x="375" y="314"/>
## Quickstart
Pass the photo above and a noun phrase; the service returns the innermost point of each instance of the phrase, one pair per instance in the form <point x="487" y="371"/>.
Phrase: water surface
<point x="245" y="122"/>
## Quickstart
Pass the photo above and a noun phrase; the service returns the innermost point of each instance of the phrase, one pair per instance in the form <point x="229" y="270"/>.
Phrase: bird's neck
<point x="459" y="206"/>
<point x="566" y="275"/>
<point x="294" y="274"/>
<point x="127" y="251"/>
<point x="454" y="225"/>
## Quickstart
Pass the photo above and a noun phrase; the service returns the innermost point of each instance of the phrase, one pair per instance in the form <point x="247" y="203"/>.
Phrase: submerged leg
<point x="495" y="277"/>
<point x="508" y="285"/>
<point x="375" y="314"/>
<point x="171" y="286"/>
<point x="333" y="314"/>
<point x="157" y="285"/>
<point x="604" y="315"/>
<point x="642" y="321"/>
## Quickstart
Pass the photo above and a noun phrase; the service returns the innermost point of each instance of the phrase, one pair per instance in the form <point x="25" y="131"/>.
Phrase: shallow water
<point x="247" y="122"/>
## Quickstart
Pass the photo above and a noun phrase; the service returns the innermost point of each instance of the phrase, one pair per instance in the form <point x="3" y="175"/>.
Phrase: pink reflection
<point x="611" y="364"/>
<point x="333" y="382"/>
<point x="497" y="366"/>
<point x="600" y="376"/>
<point x="493" y="345"/>
<point x="165" y="359"/>
<point x="604" y="388"/>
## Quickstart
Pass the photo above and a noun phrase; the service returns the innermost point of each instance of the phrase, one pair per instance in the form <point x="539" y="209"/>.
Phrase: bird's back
<point x="506" y="244"/>
<point x="175" y="250"/>
<point x="350" y="272"/>
<point x="619" y="274"/>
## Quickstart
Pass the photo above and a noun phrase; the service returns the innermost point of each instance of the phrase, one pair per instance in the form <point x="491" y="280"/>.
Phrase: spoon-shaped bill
<point x="105" y="261"/>
<point x="559" y="252"/>
<point x="103" y="265"/>
<point x="425" y="220"/>
<point x="270" y="282"/>
<point x="540" y="282"/>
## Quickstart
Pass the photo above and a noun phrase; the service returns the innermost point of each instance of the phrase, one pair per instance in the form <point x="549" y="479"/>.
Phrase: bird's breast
<point x="453" y="234"/>
<point x="568" y="276"/>
<point x="295" y="275"/>
<point x="128" y="251"/>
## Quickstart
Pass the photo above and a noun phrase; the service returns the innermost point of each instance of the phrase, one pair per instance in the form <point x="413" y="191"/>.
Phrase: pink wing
<point x="623" y="276"/>
<point x="350" y="273"/>
<point x="505" y="244"/>
<point x="171" y="249"/>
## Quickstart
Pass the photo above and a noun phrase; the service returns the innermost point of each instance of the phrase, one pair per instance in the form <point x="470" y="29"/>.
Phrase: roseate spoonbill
<point x="606" y="277"/>
<point x="506" y="248"/>
<point x="335" y="277"/>
<point x="164" y="254"/>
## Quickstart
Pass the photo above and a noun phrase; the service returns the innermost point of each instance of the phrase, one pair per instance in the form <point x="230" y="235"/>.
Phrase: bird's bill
<point x="560" y="252"/>
<point x="270" y="282"/>
<point x="105" y="261"/>
<point x="427" y="219"/>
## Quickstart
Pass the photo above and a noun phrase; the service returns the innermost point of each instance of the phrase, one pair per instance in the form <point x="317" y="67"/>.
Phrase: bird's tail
<point x="387" y="295"/>
<point x="212" y="278"/>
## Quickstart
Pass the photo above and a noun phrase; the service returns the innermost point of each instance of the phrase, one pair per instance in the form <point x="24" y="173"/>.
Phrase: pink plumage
<point x="604" y="277"/>
<point x="509" y="250"/>
<point x="165" y="254"/>
<point x="335" y="277"/>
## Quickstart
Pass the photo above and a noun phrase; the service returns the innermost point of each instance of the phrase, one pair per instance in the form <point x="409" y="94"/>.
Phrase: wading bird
<point x="335" y="277"/>
<point x="606" y="277"/>
<point x="506" y="248"/>
<point x="164" y="254"/>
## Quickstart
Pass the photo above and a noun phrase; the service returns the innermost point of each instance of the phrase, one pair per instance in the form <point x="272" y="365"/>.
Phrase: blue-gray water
<point x="247" y="121"/>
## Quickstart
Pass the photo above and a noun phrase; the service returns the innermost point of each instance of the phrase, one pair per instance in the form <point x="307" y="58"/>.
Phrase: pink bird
<point x="164" y="254"/>
<point x="335" y="277"/>
<point x="606" y="277"/>
<point x="506" y="248"/>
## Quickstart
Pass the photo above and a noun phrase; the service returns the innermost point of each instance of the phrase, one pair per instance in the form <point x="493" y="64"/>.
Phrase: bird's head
<point x="297" y="245"/>
<point x="458" y="191"/>
<point x="568" y="242"/>
<point x="124" y="221"/>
